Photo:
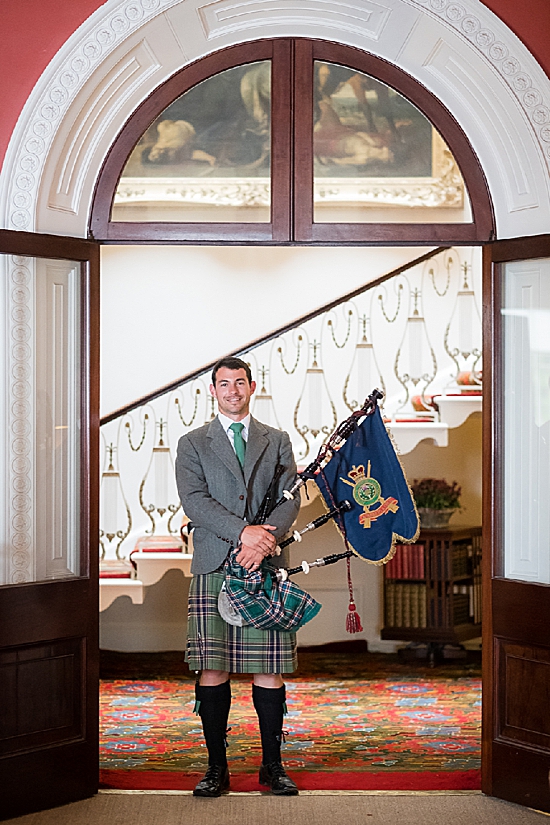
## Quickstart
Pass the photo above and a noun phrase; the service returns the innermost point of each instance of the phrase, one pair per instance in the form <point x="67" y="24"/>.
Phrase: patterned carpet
<point x="399" y="721"/>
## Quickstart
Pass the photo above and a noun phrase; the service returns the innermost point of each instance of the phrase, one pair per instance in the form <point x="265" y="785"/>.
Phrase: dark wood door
<point x="516" y="623"/>
<point x="48" y="554"/>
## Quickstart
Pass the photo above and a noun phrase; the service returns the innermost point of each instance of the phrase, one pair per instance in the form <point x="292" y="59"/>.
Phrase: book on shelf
<point x="462" y="555"/>
<point x="405" y="605"/>
<point x="406" y="616"/>
<point x="115" y="569"/>
<point x="415" y="606"/>
<point x="406" y="563"/>
<point x="461" y="608"/>
<point x="423" y="607"/>
<point x="435" y="583"/>
<point x="160" y="544"/>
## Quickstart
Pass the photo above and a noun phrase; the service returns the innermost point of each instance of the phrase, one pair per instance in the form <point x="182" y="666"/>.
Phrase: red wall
<point x="530" y="20"/>
<point x="31" y="32"/>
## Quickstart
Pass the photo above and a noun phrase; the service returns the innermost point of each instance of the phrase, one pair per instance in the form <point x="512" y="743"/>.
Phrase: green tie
<point x="238" y="441"/>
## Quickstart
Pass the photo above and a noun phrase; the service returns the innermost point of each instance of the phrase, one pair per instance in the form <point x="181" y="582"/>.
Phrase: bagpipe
<point x="376" y="513"/>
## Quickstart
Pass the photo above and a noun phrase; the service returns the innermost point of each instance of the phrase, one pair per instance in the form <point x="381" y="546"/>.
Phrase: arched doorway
<point x="186" y="231"/>
<point x="71" y="118"/>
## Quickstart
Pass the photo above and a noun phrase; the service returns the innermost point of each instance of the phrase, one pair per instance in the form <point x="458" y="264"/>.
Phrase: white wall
<point x="167" y="310"/>
<point x="460" y="461"/>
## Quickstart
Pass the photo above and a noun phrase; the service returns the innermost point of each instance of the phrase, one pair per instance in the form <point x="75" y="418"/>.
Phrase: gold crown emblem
<point x="357" y="473"/>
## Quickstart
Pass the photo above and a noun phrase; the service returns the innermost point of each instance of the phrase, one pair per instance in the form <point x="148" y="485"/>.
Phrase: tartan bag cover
<point x="263" y="601"/>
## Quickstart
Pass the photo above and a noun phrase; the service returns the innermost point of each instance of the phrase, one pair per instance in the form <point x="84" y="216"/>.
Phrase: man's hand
<point x="256" y="543"/>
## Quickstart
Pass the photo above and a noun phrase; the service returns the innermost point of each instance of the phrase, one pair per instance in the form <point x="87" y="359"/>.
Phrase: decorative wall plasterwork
<point x="20" y="417"/>
<point x="115" y="21"/>
<point x="362" y="17"/>
<point x="58" y="86"/>
<point x="533" y="101"/>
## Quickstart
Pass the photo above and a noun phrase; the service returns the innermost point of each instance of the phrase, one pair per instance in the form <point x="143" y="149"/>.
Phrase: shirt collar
<point x="226" y="423"/>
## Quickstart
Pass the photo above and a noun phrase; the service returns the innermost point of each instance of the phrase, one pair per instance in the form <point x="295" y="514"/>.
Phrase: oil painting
<point x="211" y="148"/>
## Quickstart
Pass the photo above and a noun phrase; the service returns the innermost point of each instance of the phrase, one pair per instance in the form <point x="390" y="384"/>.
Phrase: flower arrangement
<point x="436" y="494"/>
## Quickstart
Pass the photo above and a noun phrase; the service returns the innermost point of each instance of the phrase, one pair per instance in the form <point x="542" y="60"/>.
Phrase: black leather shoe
<point x="214" y="782"/>
<point x="275" y="777"/>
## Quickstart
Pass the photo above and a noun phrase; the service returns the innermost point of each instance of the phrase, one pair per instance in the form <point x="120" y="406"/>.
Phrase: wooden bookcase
<point x="432" y="589"/>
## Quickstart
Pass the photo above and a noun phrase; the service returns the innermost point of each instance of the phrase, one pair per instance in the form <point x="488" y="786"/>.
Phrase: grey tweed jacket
<point x="219" y="497"/>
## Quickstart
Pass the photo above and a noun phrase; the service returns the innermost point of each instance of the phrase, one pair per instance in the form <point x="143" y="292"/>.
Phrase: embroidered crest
<point x="367" y="492"/>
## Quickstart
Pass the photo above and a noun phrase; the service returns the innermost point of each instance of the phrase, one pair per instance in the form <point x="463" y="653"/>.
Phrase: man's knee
<point x="268" y="680"/>
<point x="211" y="678"/>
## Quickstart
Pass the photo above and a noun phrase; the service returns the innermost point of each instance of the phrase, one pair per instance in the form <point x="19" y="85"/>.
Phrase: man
<point x="223" y="471"/>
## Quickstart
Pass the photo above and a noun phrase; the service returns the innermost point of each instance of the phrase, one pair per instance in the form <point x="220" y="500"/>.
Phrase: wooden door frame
<point x="87" y="252"/>
<point x="30" y="610"/>
<point x="498" y="252"/>
<point x="54" y="246"/>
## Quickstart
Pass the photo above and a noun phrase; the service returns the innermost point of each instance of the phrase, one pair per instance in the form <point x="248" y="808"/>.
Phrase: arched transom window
<point x="292" y="141"/>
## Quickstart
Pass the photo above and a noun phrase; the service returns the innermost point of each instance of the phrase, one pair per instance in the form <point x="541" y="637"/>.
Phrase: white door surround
<point x="460" y="51"/>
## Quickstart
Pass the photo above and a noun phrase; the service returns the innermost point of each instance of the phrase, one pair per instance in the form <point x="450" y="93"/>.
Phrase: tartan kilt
<point x="213" y="644"/>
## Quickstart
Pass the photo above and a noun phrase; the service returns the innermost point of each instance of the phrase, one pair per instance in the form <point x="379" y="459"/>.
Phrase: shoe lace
<point x="276" y="770"/>
<point x="214" y="772"/>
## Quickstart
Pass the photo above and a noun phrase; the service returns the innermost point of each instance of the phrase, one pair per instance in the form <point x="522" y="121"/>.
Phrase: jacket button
<point x="241" y="498"/>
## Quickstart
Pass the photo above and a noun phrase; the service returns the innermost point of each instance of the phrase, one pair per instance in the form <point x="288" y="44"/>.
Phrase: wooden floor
<point x="313" y="808"/>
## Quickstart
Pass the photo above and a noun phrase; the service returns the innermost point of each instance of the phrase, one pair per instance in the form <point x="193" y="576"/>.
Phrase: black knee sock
<point x="270" y="707"/>
<point x="212" y="706"/>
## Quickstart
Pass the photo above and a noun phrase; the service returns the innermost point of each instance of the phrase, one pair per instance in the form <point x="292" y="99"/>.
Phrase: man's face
<point x="232" y="392"/>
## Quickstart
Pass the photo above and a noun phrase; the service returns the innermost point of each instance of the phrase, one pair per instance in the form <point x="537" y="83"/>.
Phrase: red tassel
<point x="353" y="620"/>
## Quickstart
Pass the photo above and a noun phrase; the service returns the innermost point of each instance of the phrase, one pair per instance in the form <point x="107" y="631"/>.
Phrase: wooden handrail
<point x="190" y="376"/>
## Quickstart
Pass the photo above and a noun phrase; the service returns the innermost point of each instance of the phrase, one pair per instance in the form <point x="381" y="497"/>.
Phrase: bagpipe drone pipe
<point x="367" y="495"/>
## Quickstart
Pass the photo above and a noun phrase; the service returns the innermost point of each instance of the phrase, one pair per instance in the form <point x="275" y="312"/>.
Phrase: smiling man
<point x="223" y="471"/>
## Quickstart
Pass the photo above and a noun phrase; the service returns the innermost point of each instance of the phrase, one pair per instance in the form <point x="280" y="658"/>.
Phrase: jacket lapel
<point x="255" y="447"/>
<point x="221" y="445"/>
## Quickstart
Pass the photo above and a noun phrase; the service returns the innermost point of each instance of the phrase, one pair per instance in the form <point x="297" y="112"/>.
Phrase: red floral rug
<point x="352" y="734"/>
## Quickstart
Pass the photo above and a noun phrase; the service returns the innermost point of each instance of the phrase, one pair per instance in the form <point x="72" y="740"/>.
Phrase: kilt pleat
<point x="213" y="644"/>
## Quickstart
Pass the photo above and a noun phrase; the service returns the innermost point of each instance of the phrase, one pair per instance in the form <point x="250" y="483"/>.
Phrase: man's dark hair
<point x="231" y="363"/>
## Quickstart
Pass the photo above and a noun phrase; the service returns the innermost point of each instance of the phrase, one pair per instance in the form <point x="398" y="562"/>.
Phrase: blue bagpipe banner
<point x="367" y="472"/>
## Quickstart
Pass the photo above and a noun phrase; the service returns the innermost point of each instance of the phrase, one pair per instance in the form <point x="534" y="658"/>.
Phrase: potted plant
<point x="436" y="501"/>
